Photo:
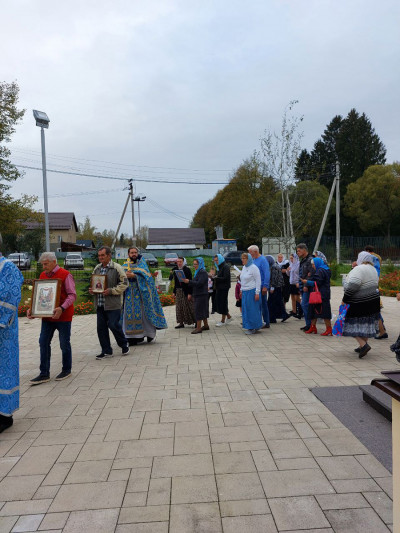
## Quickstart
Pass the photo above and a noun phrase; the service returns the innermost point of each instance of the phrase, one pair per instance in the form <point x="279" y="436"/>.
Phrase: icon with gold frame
<point x="45" y="297"/>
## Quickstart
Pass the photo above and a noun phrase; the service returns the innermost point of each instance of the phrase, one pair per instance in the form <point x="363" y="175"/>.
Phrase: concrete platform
<point x="217" y="432"/>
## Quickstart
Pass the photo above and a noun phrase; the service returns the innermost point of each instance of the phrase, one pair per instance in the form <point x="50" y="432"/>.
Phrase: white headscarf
<point x="365" y="257"/>
<point x="281" y="263"/>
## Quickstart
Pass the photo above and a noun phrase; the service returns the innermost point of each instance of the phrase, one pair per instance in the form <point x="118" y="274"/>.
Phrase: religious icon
<point x="45" y="297"/>
<point x="98" y="283"/>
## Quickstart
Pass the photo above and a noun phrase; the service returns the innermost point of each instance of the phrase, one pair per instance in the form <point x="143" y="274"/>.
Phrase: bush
<point x="389" y="284"/>
<point x="334" y="270"/>
<point x="22" y="309"/>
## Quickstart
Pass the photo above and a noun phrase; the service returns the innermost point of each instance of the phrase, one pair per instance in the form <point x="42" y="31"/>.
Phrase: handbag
<point x="315" y="296"/>
<point x="338" y="326"/>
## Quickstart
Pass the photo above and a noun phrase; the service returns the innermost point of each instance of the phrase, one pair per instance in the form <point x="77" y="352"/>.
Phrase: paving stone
<point x="89" y="471"/>
<point x="37" y="461"/>
<point x="356" y="521"/>
<point x="296" y="464"/>
<point x="239" y="487"/>
<point x="341" y="501"/>
<point x="100" y="521"/>
<point x="235" y="434"/>
<point x="21" y="507"/>
<point x="57" y="474"/>
<point x="139" y="480"/>
<point x="86" y="496"/>
<point x="53" y="521"/>
<point x="199" y="517"/>
<point x="382" y="504"/>
<point x="156" y="431"/>
<point x="295" y="483"/>
<point x="288" y="449"/>
<point x="159" y="492"/>
<point x="244" y="508"/>
<point x="135" y="499"/>
<point x="7" y="523"/>
<point x="340" y="441"/>
<point x="192" y="445"/>
<point x="151" y="527"/>
<point x="182" y="465"/>
<point x="301" y="512"/>
<point x="28" y="523"/>
<point x="193" y="489"/>
<point x="152" y="513"/>
<point x="250" y="524"/>
<point x="19" y="488"/>
<point x="98" y="451"/>
<point x="233" y="462"/>
<point x="190" y="429"/>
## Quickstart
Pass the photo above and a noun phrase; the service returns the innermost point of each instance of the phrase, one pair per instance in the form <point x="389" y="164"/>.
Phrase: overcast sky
<point x="183" y="90"/>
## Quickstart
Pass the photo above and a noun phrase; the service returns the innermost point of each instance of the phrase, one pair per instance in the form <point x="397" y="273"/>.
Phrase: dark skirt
<point x="321" y="310"/>
<point x="184" y="308"/>
<point x="293" y="289"/>
<point x="201" y="307"/>
<point x="276" y="306"/>
<point x="221" y="301"/>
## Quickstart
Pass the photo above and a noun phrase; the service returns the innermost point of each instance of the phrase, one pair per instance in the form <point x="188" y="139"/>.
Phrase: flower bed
<point x="23" y="308"/>
<point x="84" y="308"/>
<point x="167" y="299"/>
<point x="389" y="284"/>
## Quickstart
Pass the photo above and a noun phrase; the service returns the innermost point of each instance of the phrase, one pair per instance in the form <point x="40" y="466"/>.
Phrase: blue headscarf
<point x="220" y="261"/>
<point x="249" y="261"/>
<point x="201" y="265"/>
<point x="271" y="260"/>
<point x="320" y="263"/>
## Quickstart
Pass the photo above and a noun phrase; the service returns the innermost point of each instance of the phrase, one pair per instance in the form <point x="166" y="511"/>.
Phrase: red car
<point x="171" y="259"/>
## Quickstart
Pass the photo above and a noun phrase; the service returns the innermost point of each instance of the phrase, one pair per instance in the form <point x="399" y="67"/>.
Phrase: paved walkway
<point x="194" y="433"/>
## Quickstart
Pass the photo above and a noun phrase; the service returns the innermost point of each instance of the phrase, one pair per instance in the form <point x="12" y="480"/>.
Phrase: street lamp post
<point x="42" y="121"/>
<point x="139" y="199"/>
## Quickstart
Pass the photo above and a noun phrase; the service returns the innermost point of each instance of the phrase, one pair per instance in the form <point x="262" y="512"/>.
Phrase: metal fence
<point x="351" y="246"/>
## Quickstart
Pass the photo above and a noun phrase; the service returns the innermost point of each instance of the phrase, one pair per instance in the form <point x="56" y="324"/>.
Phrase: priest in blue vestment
<point x="142" y="313"/>
<point x="11" y="281"/>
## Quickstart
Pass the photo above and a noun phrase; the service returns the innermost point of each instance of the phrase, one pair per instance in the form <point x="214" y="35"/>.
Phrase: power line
<point x="124" y="179"/>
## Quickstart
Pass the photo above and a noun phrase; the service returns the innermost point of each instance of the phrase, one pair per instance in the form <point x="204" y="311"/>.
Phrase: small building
<point x="176" y="239"/>
<point x="62" y="227"/>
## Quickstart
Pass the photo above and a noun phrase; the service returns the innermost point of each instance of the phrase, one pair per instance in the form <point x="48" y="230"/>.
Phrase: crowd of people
<point x="127" y="304"/>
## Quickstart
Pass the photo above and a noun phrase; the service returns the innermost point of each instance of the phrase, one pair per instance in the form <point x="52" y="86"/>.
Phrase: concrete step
<point x="377" y="399"/>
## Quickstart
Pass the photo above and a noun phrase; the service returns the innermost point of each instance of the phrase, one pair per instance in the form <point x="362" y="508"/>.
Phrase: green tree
<point x="374" y="199"/>
<point x="86" y="230"/>
<point x="352" y="141"/>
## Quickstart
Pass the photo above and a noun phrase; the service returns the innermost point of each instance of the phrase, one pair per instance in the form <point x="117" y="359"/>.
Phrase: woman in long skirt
<point x="222" y="286"/>
<point x="183" y="295"/>
<point x="276" y="305"/>
<point x="322" y="277"/>
<point x="250" y="279"/>
<point x="361" y="292"/>
<point x="200" y="295"/>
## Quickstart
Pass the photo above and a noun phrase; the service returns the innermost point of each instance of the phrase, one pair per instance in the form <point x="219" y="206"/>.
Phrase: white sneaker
<point x="219" y="324"/>
<point x="250" y="331"/>
<point x="229" y="320"/>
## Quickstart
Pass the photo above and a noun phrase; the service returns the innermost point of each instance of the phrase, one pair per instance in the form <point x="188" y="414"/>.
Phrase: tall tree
<point x="86" y="230"/>
<point x="10" y="115"/>
<point x="351" y="141"/>
<point x="374" y="199"/>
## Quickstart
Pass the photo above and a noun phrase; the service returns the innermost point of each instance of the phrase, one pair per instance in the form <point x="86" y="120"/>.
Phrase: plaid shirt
<point x="100" y="297"/>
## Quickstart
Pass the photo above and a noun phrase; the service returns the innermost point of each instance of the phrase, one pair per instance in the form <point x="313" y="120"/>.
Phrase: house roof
<point x="85" y="242"/>
<point x="176" y="236"/>
<point x="56" y="221"/>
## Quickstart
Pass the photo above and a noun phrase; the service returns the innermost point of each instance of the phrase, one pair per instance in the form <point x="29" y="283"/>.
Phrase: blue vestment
<point x="141" y="297"/>
<point x="11" y="281"/>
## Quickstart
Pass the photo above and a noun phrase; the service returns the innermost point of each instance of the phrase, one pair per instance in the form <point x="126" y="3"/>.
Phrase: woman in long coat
<point x="361" y="292"/>
<point x="184" y="305"/>
<point x="200" y="295"/>
<point x="322" y="277"/>
<point x="276" y="305"/>
<point x="250" y="280"/>
<point x="222" y="286"/>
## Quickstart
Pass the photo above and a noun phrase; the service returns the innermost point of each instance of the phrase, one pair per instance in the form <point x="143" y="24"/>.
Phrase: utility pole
<point x="328" y="205"/>
<point x="337" y="213"/>
<point x="133" y="212"/>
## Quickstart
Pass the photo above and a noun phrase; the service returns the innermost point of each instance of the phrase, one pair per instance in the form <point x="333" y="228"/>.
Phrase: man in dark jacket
<point x="304" y="270"/>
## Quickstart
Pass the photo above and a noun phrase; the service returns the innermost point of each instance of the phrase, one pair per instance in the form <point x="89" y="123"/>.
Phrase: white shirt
<point x="250" y="278"/>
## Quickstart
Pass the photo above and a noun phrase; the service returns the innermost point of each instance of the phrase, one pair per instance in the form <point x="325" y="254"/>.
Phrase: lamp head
<point x="42" y="120"/>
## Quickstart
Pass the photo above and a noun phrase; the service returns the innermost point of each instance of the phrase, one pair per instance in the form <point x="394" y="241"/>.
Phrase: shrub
<point x="23" y="308"/>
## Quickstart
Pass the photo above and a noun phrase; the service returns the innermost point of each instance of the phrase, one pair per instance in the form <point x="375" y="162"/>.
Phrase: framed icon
<point x="98" y="283"/>
<point x="45" y="297"/>
<point x="180" y="275"/>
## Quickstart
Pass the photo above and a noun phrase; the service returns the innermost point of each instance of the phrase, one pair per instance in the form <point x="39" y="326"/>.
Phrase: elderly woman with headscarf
<point x="284" y="264"/>
<point x="293" y="271"/>
<point x="183" y="300"/>
<point x="322" y="277"/>
<point x="276" y="305"/>
<point x="361" y="292"/>
<point x="222" y="286"/>
<point x="250" y="280"/>
<point x="322" y="256"/>
<point x="200" y="295"/>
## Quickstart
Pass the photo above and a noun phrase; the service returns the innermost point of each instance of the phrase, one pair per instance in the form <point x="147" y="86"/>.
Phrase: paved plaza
<point x="207" y="433"/>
